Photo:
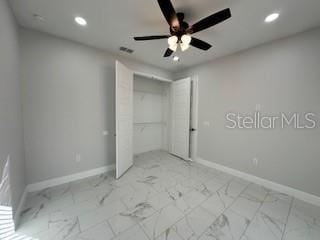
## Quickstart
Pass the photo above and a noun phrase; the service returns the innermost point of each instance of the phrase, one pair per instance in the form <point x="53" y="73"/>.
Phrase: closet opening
<point x="153" y="114"/>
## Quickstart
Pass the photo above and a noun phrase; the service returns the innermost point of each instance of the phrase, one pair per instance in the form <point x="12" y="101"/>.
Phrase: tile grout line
<point x="144" y="231"/>
<point x="255" y="214"/>
<point x="199" y="205"/>
<point x="289" y="212"/>
<point x="159" y="211"/>
<point x="184" y="215"/>
<point x="227" y="208"/>
<point x="114" y="234"/>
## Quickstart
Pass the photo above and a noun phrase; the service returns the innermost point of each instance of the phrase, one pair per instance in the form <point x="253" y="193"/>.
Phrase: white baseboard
<point x="16" y="217"/>
<point x="69" y="178"/>
<point x="307" y="197"/>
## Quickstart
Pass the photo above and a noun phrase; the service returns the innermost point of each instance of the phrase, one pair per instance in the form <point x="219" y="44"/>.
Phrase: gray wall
<point x="282" y="76"/>
<point x="68" y="101"/>
<point x="10" y="106"/>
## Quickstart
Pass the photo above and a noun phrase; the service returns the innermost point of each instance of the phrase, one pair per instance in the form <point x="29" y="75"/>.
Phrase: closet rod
<point x="144" y="123"/>
<point x="146" y="92"/>
<point x="146" y="75"/>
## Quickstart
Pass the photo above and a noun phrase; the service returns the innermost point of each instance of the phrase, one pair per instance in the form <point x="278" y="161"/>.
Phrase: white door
<point x="180" y="126"/>
<point x="124" y="119"/>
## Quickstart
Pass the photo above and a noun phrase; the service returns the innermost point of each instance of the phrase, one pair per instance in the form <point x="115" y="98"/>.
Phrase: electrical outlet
<point x="255" y="161"/>
<point x="78" y="157"/>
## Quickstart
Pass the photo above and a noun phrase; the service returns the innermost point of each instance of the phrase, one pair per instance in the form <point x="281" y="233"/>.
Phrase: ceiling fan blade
<point x="155" y="37"/>
<point x="169" y="13"/>
<point x="195" y="42"/>
<point x="210" y="21"/>
<point x="168" y="53"/>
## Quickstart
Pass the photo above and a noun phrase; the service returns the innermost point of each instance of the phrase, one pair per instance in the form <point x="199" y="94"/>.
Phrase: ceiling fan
<point x="181" y="31"/>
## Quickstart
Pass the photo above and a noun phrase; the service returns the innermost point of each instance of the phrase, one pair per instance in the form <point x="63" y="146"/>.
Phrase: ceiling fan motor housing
<point x="182" y="29"/>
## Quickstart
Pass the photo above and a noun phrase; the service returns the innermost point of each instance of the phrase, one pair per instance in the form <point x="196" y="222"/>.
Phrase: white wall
<point x="11" y="137"/>
<point x="68" y="101"/>
<point x="282" y="76"/>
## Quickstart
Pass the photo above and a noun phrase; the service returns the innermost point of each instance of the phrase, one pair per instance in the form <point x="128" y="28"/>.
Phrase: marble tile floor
<point x="164" y="198"/>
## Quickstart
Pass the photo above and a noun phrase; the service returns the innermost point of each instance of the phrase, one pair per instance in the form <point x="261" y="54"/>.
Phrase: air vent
<point x="127" y="50"/>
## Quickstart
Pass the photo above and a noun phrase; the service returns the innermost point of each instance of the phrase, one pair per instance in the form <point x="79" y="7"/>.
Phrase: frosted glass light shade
<point x="186" y="39"/>
<point x="172" y="40"/>
<point x="184" y="46"/>
<point x="173" y="47"/>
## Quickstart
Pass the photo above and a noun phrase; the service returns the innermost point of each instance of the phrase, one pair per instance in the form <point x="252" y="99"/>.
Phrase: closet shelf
<point x="151" y="93"/>
<point x="145" y="123"/>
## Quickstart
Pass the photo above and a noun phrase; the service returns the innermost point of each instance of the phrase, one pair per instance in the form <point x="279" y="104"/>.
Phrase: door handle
<point x="193" y="129"/>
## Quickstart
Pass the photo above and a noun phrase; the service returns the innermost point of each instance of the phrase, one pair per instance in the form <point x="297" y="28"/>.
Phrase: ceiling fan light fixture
<point x="173" y="47"/>
<point x="172" y="40"/>
<point x="184" y="46"/>
<point x="186" y="39"/>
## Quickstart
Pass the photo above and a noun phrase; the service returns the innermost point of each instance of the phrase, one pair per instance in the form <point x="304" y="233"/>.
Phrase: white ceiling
<point x="113" y="23"/>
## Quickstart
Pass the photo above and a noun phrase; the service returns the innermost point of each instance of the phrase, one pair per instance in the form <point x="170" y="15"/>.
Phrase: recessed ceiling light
<point x="272" y="17"/>
<point x="176" y="58"/>
<point x="81" y="21"/>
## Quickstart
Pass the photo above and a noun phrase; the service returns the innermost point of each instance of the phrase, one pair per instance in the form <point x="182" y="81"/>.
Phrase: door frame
<point x="194" y="117"/>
